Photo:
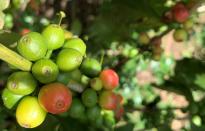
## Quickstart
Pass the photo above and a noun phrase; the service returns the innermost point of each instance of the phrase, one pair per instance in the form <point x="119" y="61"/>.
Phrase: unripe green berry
<point x="143" y="39"/>
<point x="45" y="70"/>
<point x="96" y="84"/>
<point x="188" y="24"/>
<point x="180" y="35"/>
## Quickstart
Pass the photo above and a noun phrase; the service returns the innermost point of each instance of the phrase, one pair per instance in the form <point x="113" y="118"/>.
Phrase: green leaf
<point x="119" y="18"/>
<point x="9" y="39"/>
<point x="200" y="80"/>
<point x="197" y="128"/>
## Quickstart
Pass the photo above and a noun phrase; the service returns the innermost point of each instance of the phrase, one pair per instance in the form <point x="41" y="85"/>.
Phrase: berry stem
<point x="102" y="57"/>
<point x="14" y="59"/>
<point x="62" y="15"/>
<point x="48" y="54"/>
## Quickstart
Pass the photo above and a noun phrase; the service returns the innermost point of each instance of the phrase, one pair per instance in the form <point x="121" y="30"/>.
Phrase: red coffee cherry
<point x="180" y="13"/>
<point x="109" y="79"/>
<point x="55" y="98"/>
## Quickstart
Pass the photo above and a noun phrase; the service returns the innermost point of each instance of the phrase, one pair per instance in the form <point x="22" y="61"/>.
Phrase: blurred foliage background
<point x="162" y="92"/>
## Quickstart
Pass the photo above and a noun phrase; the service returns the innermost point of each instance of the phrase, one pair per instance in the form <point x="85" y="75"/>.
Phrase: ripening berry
<point x="96" y="84"/>
<point x="180" y="35"/>
<point x="108" y="100"/>
<point x="180" y="13"/>
<point x="55" y="98"/>
<point x="143" y="39"/>
<point x="29" y="113"/>
<point x="109" y="78"/>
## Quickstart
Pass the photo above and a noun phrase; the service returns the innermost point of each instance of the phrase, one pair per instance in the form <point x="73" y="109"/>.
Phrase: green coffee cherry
<point x="197" y="120"/>
<point x="66" y="77"/>
<point x="98" y="122"/>
<point x="93" y="113"/>
<point x="180" y="35"/>
<point x="188" y="24"/>
<point x="77" y="44"/>
<point x="69" y="59"/>
<point x="90" y="67"/>
<point x="45" y="70"/>
<point x="89" y="98"/>
<point x="32" y="46"/>
<point x="54" y="36"/>
<point x="9" y="98"/>
<point x="96" y="84"/>
<point x="77" y="108"/>
<point x="143" y="39"/>
<point x="108" y="118"/>
<point x="21" y="83"/>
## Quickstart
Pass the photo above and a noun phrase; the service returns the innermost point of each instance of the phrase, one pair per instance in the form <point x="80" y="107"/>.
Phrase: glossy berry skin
<point x="77" y="44"/>
<point x="77" y="108"/>
<point x="180" y="35"/>
<point x="45" y="70"/>
<point x="98" y="122"/>
<point x="109" y="78"/>
<point x="29" y="113"/>
<point x="109" y="119"/>
<point x="108" y="100"/>
<point x="54" y="36"/>
<point x="10" y="99"/>
<point x="66" y="77"/>
<point x="90" y="67"/>
<point x="21" y="83"/>
<point x="89" y="97"/>
<point x="55" y="98"/>
<point x="93" y="113"/>
<point x="96" y="84"/>
<point x="68" y="34"/>
<point x="180" y="13"/>
<point x="69" y="59"/>
<point x="32" y="46"/>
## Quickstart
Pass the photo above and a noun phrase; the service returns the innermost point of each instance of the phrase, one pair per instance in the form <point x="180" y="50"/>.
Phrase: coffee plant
<point x="102" y="65"/>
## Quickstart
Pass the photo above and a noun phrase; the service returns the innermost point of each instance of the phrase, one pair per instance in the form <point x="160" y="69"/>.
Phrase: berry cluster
<point x="177" y="18"/>
<point x="69" y="81"/>
<point x="180" y="14"/>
